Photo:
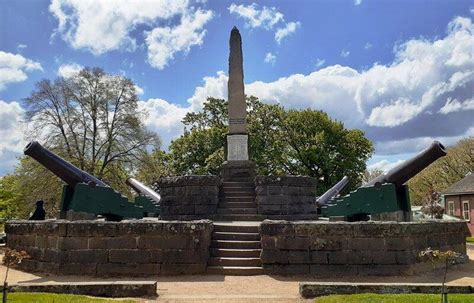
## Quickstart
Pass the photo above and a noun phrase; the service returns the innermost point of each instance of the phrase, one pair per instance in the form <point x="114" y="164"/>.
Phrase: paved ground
<point x="253" y="288"/>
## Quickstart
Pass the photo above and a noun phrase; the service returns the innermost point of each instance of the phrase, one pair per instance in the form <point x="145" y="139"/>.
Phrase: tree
<point x="431" y="205"/>
<point x="447" y="170"/>
<point x="370" y="174"/>
<point x="321" y="147"/>
<point x="281" y="142"/>
<point x="92" y="120"/>
<point x="154" y="165"/>
<point x="8" y="195"/>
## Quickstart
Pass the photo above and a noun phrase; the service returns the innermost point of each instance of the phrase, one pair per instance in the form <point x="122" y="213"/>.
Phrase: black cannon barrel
<point x="408" y="169"/>
<point x="333" y="191"/>
<point x="142" y="189"/>
<point x="58" y="166"/>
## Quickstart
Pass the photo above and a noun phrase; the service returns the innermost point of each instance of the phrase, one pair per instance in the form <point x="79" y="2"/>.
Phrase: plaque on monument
<point x="237" y="149"/>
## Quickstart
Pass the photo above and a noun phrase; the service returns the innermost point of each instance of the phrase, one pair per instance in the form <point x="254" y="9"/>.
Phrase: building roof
<point x="463" y="186"/>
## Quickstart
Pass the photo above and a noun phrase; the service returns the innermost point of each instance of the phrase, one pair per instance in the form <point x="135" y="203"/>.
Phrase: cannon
<point x="332" y="192"/>
<point x="386" y="193"/>
<point x="147" y="198"/>
<point x="83" y="192"/>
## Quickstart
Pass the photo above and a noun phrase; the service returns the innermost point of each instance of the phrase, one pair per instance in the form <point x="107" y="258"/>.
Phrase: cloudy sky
<point x="403" y="71"/>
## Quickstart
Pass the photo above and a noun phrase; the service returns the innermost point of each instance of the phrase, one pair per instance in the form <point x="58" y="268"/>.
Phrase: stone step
<point x="238" y="184"/>
<point x="226" y="261"/>
<point x="238" y="217"/>
<point x="241" y="191"/>
<point x="235" y="236"/>
<point x="236" y="253"/>
<point x="246" y="179"/>
<point x="231" y="211"/>
<point x="236" y="228"/>
<point x="235" y="244"/>
<point x="236" y="193"/>
<point x="237" y="205"/>
<point x="237" y="199"/>
<point x="234" y="270"/>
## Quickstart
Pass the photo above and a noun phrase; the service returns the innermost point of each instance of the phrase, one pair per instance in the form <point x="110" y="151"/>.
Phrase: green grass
<point x="470" y="239"/>
<point x="31" y="297"/>
<point x="398" y="298"/>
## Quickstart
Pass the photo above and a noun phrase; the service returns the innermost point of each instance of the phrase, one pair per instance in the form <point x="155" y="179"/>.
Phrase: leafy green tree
<point x="321" y="147"/>
<point x="154" y="165"/>
<point x="8" y="196"/>
<point x="281" y="142"/>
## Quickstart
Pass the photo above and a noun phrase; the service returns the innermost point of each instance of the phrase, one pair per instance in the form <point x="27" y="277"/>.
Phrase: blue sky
<point x="400" y="70"/>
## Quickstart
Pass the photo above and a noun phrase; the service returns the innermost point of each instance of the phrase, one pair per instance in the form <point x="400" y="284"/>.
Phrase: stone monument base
<point x="238" y="171"/>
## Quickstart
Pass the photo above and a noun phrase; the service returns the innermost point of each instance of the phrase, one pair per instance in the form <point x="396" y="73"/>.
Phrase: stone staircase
<point x="235" y="249"/>
<point x="237" y="202"/>
<point x="235" y="246"/>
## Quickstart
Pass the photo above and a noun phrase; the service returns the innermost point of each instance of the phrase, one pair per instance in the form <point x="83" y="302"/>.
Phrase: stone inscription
<point x="237" y="149"/>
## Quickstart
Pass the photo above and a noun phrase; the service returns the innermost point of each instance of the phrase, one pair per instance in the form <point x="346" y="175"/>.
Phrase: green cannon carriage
<point x="84" y="193"/>
<point x="386" y="193"/>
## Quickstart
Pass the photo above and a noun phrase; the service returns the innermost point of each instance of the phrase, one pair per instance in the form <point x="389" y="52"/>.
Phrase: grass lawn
<point x="400" y="298"/>
<point x="470" y="239"/>
<point x="31" y="297"/>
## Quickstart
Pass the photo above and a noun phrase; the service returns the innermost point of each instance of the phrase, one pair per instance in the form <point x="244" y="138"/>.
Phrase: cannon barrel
<point x="333" y="191"/>
<point x="58" y="166"/>
<point x="408" y="169"/>
<point x="142" y="189"/>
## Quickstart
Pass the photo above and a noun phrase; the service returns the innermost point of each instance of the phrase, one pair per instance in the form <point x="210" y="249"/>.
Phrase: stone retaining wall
<point x="287" y="197"/>
<point x="343" y="248"/>
<point x="128" y="248"/>
<point x="188" y="197"/>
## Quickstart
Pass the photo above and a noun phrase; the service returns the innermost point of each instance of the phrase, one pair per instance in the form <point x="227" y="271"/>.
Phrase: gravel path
<point x="263" y="288"/>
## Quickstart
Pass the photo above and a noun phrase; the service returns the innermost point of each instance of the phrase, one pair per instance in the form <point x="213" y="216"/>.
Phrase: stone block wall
<point x="128" y="248"/>
<point x="188" y="197"/>
<point x="365" y="248"/>
<point x="287" y="197"/>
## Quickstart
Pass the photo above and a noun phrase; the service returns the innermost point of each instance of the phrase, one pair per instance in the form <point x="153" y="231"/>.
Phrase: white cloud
<point x="345" y="53"/>
<point x="213" y="87"/>
<point x="21" y="47"/>
<point x="357" y="2"/>
<point x="13" y="68"/>
<point x="368" y="45"/>
<point x="384" y="165"/>
<point x="394" y="113"/>
<point x="267" y="17"/>
<point x="140" y="91"/>
<point x="270" y="58"/>
<point x="320" y="62"/>
<point x="11" y="132"/>
<point x="164" y="42"/>
<point x="101" y="26"/>
<point x="69" y="69"/>
<point x="454" y="105"/>
<point x="164" y="118"/>
<point x="286" y="31"/>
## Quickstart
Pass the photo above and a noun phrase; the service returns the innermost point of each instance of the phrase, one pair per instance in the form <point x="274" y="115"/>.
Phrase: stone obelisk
<point x="237" y="139"/>
<point x="237" y="167"/>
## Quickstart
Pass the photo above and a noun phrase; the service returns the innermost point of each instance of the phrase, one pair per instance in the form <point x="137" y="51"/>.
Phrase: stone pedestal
<point x="237" y="148"/>
<point x="238" y="171"/>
